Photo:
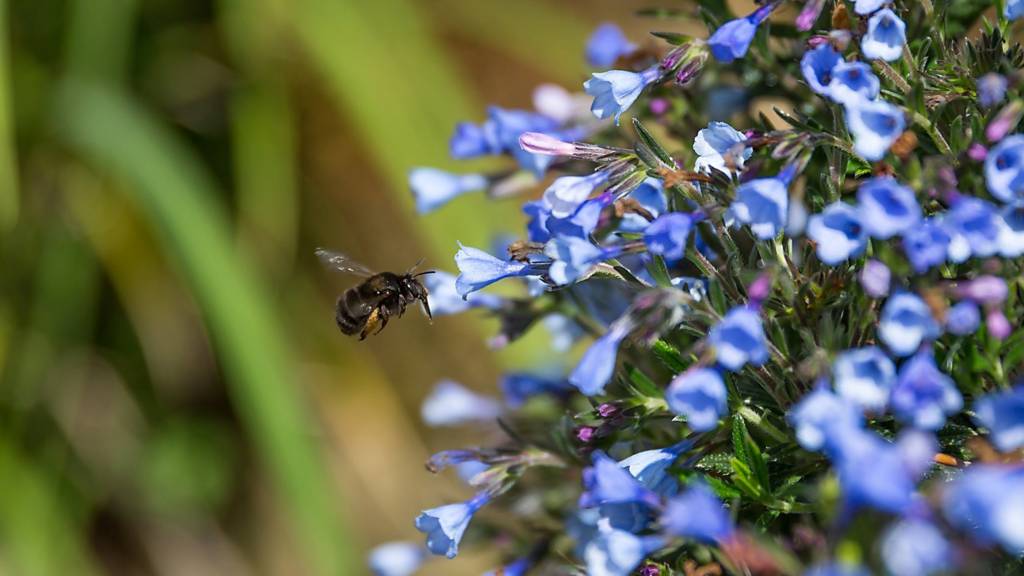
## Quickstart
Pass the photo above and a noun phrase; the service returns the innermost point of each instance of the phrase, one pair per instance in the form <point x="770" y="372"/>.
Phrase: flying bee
<point x="366" y="307"/>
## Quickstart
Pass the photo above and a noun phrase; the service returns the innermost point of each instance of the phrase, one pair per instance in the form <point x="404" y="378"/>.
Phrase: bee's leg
<point x="383" y="315"/>
<point x="371" y="323"/>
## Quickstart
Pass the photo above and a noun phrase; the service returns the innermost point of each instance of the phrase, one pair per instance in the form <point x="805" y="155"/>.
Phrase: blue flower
<point x="887" y="208"/>
<point x="595" y="369"/>
<point x="518" y="387"/>
<point x="894" y="471"/>
<point x="615" y="91"/>
<point x="650" y="468"/>
<point x="396" y="558"/>
<point x="852" y="81"/>
<point x="451" y="403"/>
<point x="733" y="38"/>
<point x="444" y="299"/>
<point x="864" y="376"/>
<point x="923" y="396"/>
<point x="838" y="233"/>
<point x="837" y="570"/>
<point x="699" y="395"/>
<point x="875" y="125"/>
<point x="606" y="482"/>
<point x="509" y="125"/>
<point x="963" y="318"/>
<point x="988" y="502"/>
<point x="573" y="256"/>
<point x="517" y="568"/>
<point x="478" y="269"/>
<point x="991" y="89"/>
<point x="445" y="525"/>
<point x="697" y="513"/>
<point x="821" y="419"/>
<point x="863" y="7"/>
<point x="1011" y="230"/>
<point x="606" y="45"/>
<point x="718" y="146"/>
<point x="444" y="459"/>
<point x="763" y="204"/>
<point x="1014" y="9"/>
<point x="615" y="552"/>
<point x="739" y="339"/>
<point x="1003" y="414"/>
<point x="565" y="195"/>
<point x="885" y="37"/>
<point x="471" y="140"/>
<point x="915" y="548"/>
<point x="583" y="221"/>
<point x="434" y="188"/>
<point x="651" y="197"/>
<point x="667" y="235"/>
<point x="816" y="66"/>
<point x="906" y="322"/>
<point x="875" y="278"/>
<point x="973" y="227"/>
<point x="1004" y="169"/>
<point x="926" y="244"/>
<point x="469" y="470"/>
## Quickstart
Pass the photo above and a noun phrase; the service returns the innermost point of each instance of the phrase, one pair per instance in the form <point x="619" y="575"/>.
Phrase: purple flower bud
<point x="977" y="152"/>
<point x="997" y="324"/>
<point x="659" y="106"/>
<point x="991" y="89"/>
<point x="1005" y="121"/>
<point x="809" y="15"/>
<point x="963" y="318"/>
<point x="875" y="278"/>
<point x="607" y="410"/>
<point x="760" y="289"/>
<point x="650" y="570"/>
<point x="585" y="434"/>
<point x="987" y="290"/>
<point x="538" y="143"/>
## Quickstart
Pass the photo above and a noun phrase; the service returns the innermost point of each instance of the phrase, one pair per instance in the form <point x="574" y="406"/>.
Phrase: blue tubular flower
<point x="816" y="66"/>
<point x="615" y="91"/>
<point x="697" y="513"/>
<point x="606" y="45"/>
<point x="698" y="394"/>
<point x="517" y="568"/>
<point x="478" y="269"/>
<point x="875" y="278"/>
<point x="650" y="468"/>
<point x="434" y="188"/>
<point x="837" y="570"/>
<point x="1014" y="9"/>
<point x="615" y="552"/>
<point x="973" y="227"/>
<point x="915" y="548"/>
<point x="444" y="299"/>
<point x="573" y="257"/>
<point x="565" y="195"/>
<point x="838" y="233"/>
<point x="509" y="125"/>
<point x="739" y="339"/>
<point x="733" y="38"/>
<point x="906" y="323"/>
<point x="875" y="125"/>
<point x="987" y="501"/>
<point x="863" y="7"/>
<point x="606" y="482"/>
<point x="852" y="81"/>
<point x="519" y="387"/>
<point x="891" y="484"/>
<point x="447" y="458"/>
<point x="651" y="196"/>
<point x="445" y="525"/>
<point x="1003" y="414"/>
<point x="717" y="146"/>
<point x="595" y="369"/>
<point x="471" y="140"/>
<point x="885" y="37"/>
<point x="763" y="204"/>
<point x="864" y="376"/>
<point x="926" y="245"/>
<point x="1004" y="169"/>
<point x="583" y="221"/>
<point x="1011" y="230"/>
<point x="991" y="89"/>
<point x="822" y="419"/>
<point x="923" y="396"/>
<point x="963" y="318"/>
<point x="451" y="403"/>
<point x="396" y="558"/>
<point x="667" y="235"/>
<point x="887" y="208"/>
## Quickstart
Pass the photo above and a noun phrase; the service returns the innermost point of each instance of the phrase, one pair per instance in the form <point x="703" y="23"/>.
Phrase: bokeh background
<point x="175" y="396"/>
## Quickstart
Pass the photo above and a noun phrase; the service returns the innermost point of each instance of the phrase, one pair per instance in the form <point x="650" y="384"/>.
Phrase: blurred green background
<point x="176" y="398"/>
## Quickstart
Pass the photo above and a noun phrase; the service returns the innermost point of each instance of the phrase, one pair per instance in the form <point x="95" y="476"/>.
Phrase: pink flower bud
<point x="997" y="324"/>
<point x="987" y="290"/>
<point x="538" y="143"/>
<point x="1005" y="121"/>
<point x="977" y="152"/>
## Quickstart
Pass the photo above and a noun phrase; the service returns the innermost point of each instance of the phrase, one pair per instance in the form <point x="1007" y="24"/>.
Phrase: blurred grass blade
<point x="9" y="201"/>
<point x="177" y="195"/>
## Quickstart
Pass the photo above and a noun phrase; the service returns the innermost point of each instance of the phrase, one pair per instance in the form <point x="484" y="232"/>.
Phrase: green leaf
<point x="670" y="356"/>
<point x="652" y="144"/>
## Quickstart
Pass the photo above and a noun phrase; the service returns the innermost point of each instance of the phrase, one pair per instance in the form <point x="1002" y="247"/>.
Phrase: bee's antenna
<point x="418" y="274"/>
<point x="414" y="267"/>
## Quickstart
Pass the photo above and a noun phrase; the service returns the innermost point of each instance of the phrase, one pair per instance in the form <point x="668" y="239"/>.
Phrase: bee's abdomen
<point x="348" y="322"/>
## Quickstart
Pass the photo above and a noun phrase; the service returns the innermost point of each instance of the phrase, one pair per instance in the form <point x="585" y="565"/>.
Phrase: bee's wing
<point x="342" y="263"/>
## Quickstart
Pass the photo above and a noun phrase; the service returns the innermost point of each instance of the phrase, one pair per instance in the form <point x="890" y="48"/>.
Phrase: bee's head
<point x="415" y="290"/>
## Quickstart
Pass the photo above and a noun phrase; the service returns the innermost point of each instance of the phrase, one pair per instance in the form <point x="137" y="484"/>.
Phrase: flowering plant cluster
<point x="799" y="340"/>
